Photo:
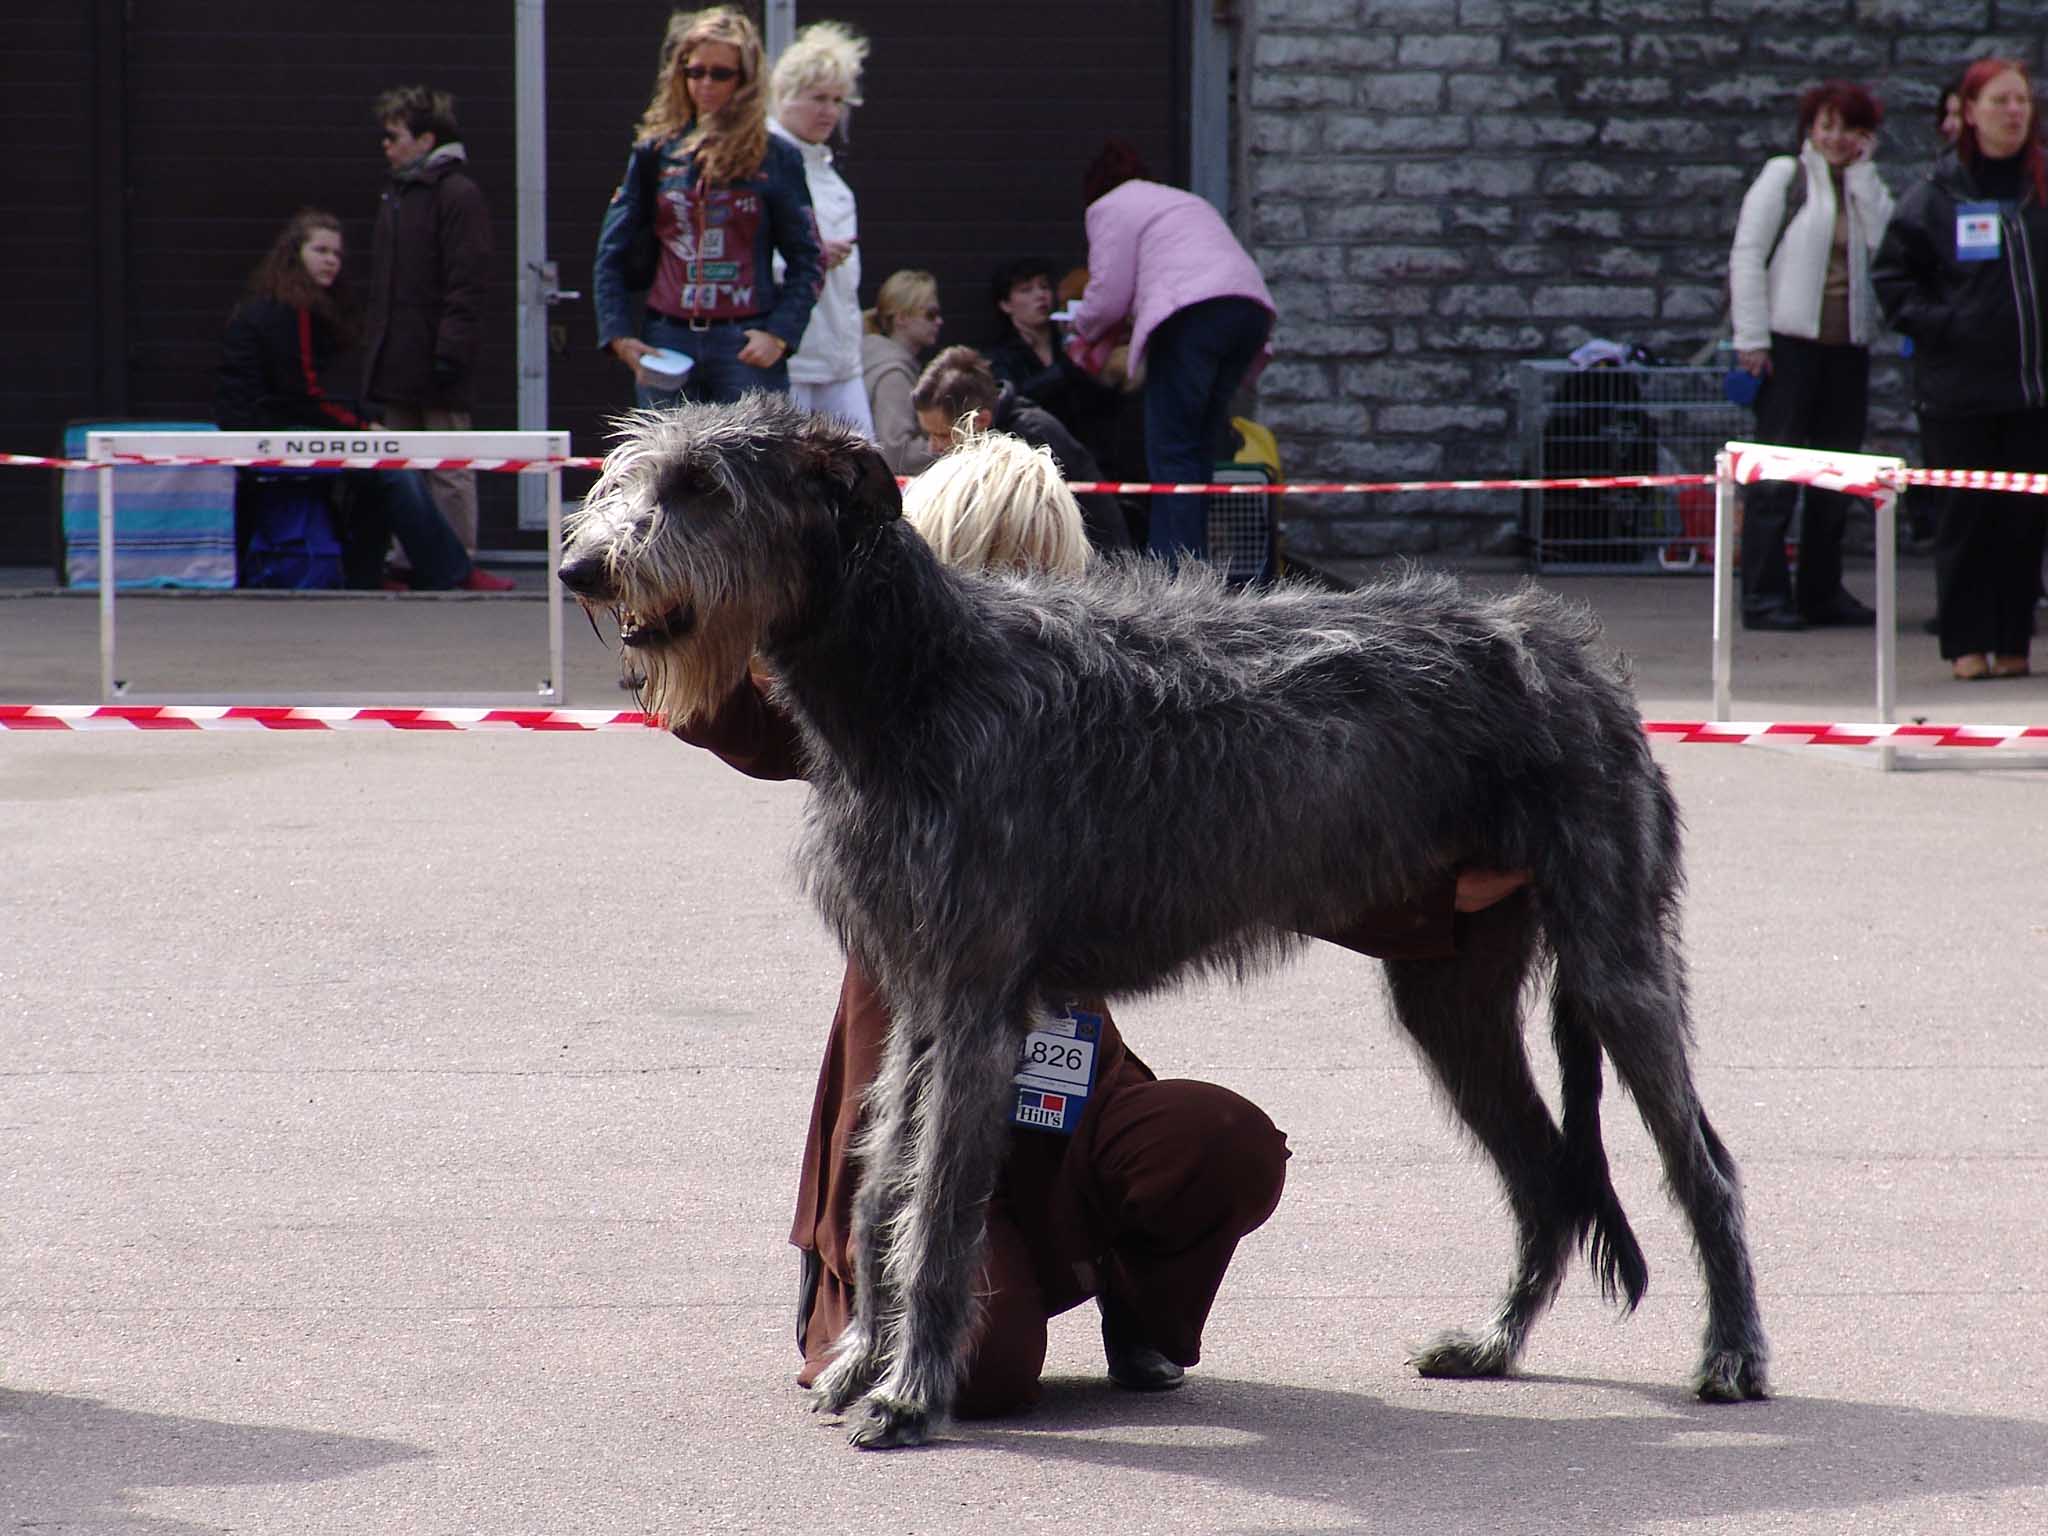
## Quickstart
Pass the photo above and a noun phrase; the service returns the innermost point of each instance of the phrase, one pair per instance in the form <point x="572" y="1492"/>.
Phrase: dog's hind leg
<point x="958" y="1138"/>
<point x="1621" y="977"/>
<point x="1646" y="1039"/>
<point x="1465" y="1015"/>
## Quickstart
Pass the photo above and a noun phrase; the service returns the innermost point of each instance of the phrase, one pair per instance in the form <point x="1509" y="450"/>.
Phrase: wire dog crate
<point x="1241" y="523"/>
<point x="1627" y="419"/>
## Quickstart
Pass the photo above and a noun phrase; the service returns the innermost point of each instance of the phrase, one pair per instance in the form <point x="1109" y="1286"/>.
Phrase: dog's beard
<point x="689" y="675"/>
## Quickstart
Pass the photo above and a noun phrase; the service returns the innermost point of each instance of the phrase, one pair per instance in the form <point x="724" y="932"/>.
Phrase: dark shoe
<point x="1784" y="619"/>
<point x="1133" y="1364"/>
<point x="1845" y="612"/>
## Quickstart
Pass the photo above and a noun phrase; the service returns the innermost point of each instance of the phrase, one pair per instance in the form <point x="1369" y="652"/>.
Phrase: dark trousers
<point x="383" y="504"/>
<point x="1161" y="1182"/>
<point x="1815" y="396"/>
<point x="1987" y="544"/>
<point x="1194" y="362"/>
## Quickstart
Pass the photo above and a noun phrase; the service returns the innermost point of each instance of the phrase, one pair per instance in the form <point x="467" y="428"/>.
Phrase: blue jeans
<point x="394" y="502"/>
<point x="719" y="377"/>
<point x="1194" y="362"/>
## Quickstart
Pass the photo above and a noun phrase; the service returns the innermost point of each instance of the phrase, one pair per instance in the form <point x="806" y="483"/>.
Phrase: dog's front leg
<point x="959" y="1134"/>
<point x="884" y="1156"/>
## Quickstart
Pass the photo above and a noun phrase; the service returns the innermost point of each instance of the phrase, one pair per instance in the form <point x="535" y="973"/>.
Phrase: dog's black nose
<point x="584" y="575"/>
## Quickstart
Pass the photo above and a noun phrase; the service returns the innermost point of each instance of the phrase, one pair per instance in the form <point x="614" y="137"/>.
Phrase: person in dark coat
<point x="959" y="393"/>
<point x="1963" y="271"/>
<point x="292" y="332"/>
<point x="430" y="273"/>
<point x="1029" y="354"/>
<point x="1142" y="1202"/>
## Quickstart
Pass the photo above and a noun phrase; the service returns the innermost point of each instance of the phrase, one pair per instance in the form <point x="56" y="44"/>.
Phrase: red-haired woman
<point x="283" y="341"/>
<point x="1964" y="272"/>
<point x="721" y="199"/>
<point x="1805" y="315"/>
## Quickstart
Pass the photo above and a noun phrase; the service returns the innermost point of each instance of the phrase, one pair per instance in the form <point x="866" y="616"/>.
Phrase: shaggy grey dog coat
<point x="1027" y="791"/>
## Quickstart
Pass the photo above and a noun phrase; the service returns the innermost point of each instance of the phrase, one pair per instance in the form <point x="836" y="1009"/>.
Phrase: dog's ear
<point x="860" y="485"/>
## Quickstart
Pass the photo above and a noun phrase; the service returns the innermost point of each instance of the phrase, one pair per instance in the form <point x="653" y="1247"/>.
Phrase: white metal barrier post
<point x="314" y="448"/>
<point x="108" y="581"/>
<point x="1887" y="535"/>
<point x="1725" y="547"/>
<point x="1871" y="476"/>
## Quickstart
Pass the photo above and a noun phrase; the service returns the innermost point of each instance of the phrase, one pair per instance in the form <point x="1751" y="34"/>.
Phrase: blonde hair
<point x="824" y="53"/>
<point x="899" y="294"/>
<point x="995" y="503"/>
<point x="731" y="144"/>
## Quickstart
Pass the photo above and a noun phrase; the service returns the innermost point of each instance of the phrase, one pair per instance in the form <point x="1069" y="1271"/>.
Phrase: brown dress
<point x="1146" y="1200"/>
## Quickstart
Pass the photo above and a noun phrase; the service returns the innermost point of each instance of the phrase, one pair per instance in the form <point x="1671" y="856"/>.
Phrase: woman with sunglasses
<point x="708" y="201"/>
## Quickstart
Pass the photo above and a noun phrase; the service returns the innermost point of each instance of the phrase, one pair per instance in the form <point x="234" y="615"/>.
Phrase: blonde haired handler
<point x="814" y="83"/>
<point x="708" y="202"/>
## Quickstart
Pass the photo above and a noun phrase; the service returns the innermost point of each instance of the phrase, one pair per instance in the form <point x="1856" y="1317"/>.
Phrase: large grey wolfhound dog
<point x="1025" y="792"/>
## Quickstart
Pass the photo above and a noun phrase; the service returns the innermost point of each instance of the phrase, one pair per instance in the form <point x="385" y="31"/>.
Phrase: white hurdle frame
<point x="313" y="447"/>
<point x="1861" y="468"/>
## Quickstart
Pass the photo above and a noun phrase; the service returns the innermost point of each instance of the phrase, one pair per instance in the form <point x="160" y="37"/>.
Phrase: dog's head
<point x="712" y="527"/>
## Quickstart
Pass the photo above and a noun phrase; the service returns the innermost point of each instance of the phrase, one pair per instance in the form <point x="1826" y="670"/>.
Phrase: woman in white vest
<point x="1805" y="315"/>
<point x="815" y="80"/>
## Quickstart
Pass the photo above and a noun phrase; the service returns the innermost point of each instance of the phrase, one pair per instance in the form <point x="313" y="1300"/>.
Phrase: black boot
<point x="1134" y="1364"/>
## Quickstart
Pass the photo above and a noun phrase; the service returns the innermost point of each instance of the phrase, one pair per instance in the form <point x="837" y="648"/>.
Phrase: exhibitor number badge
<point x="1056" y="1072"/>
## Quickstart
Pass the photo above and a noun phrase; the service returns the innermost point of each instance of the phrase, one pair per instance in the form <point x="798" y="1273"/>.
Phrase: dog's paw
<point x="1460" y="1354"/>
<point x="882" y="1425"/>
<point x="844" y="1382"/>
<point x="1731" y="1376"/>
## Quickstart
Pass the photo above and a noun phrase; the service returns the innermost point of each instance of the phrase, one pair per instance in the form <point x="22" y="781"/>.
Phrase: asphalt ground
<point x="398" y="1133"/>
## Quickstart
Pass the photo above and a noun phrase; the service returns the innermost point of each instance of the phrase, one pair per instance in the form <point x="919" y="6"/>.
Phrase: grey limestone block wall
<point x="1437" y="190"/>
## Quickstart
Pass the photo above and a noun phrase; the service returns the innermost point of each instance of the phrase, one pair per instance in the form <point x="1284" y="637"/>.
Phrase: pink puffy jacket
<point x="1153" y="250"/>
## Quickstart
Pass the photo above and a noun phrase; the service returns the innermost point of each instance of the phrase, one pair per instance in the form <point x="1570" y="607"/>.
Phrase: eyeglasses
<point x="717" y="74"/>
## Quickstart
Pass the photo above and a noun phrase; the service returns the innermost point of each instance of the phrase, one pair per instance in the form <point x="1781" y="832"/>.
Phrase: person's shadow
<point x="71" y="1463"/>
<point x="1675" y="1460"/>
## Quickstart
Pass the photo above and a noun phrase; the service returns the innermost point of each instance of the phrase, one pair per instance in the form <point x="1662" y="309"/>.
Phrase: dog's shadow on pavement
<point x="74" y="1463"/>
<point x="1671" y="1459"/>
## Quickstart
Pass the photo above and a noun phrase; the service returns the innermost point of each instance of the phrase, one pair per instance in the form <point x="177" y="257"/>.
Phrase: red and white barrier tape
<point x="320" y="717"/>
<point x="1743" y="733"/>
<point x="1977" y="480"/>
<point x="205" y="461"/>
<point x="1749" y="468"/>
<point x="307" y="717"/>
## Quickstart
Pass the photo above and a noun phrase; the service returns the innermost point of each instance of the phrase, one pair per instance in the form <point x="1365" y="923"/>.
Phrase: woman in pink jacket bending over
<point x="1199" y="315"/>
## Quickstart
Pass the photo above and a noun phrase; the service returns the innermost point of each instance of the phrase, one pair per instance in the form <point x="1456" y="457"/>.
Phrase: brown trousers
<point x="1147" y="1204"/>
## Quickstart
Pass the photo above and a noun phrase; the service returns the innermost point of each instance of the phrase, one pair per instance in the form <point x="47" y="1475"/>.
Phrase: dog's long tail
<point x="1600" y="1226"/>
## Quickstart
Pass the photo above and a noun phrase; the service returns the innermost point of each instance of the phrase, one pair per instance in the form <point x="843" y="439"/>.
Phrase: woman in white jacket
<point x="1805" y="315"/>
<point x="815" y="80"/>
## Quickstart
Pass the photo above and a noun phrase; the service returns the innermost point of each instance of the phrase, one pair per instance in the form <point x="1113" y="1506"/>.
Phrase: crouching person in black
<point x="292" y="328"/>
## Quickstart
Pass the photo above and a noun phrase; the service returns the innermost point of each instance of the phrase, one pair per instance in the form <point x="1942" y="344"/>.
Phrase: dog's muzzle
<point x="638" y="633"/>
<point x="586" y="576"/>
